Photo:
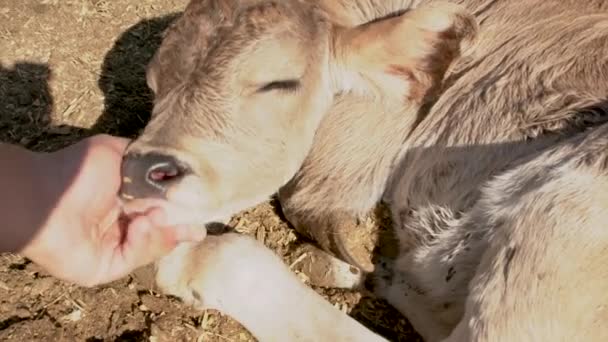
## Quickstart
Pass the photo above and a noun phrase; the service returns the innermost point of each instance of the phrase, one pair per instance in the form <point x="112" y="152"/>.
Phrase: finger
<point x="137" y="248"/>
<point x="178" y="233"/>
<point x="188" y="233"/>
<point x="142" y="205"/>
<point x="119" y="144"/>
<point x="149" y="242"/>
<point x="157" y="217"/>
<point x="145" y="242"/>
<point x="151" y="237"/>
<point x="108" y="221"/>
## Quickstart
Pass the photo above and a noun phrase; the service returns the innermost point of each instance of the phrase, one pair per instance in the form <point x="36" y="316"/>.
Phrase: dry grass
<point x="73" y="68"/>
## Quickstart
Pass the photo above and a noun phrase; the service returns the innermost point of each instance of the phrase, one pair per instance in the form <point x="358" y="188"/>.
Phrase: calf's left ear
<point x="404" y="55"/>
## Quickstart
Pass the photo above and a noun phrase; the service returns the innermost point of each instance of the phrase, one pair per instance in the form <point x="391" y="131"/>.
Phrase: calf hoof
<point x="344" y="236"/>
<point x="323" y="269"/>
<point x="145" y="276"/>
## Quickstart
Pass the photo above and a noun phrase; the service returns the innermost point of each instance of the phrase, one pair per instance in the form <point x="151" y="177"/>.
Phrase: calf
<point x="491" y="154"/>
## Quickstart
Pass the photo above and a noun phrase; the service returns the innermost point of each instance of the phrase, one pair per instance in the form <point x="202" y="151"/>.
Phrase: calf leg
<point x="525" y="263"/>
<point x="342" y="179"/>
<point x="427" y="282"/>
<point x="544" y="275"/>
<point x="240" y="277"/>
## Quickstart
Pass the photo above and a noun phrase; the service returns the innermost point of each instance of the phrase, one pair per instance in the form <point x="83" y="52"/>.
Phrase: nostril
<point x="164" y="172"/>
<point x="150" y="174"/>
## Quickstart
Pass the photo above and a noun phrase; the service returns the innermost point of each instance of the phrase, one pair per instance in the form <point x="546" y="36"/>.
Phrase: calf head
<point x="241" y="87"/>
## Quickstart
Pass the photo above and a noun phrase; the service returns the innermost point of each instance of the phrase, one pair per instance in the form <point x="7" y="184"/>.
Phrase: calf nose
<point x="149" y="175"/>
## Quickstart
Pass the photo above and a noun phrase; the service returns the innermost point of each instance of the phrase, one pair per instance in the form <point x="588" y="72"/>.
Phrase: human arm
<point x="21" y="209"/>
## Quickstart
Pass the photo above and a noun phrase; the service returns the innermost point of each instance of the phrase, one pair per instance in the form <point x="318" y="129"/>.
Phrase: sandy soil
<point x="73" y="68"/>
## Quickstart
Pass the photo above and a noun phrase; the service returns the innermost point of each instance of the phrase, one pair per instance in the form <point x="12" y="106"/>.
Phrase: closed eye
<point x="284" y="85"/>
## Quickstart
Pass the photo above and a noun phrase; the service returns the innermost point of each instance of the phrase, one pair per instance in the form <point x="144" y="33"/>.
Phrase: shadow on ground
<point x="128" y="100"/>
<point x="26" y="102"/>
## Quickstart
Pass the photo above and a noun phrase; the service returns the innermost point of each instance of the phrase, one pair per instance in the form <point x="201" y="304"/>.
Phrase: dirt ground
<point x="71" y="68"/>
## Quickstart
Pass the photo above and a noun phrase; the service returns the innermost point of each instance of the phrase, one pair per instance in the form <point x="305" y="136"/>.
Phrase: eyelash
<point x="287" y="85"/>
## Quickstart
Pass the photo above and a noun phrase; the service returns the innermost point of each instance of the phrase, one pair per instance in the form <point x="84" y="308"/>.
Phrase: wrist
<point x="22" y="205"/>
<point x="46" y="195"/>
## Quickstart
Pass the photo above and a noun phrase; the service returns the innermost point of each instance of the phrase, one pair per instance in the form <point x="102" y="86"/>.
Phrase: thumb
<point x="143" y="243"/>
<point x="148" y="241"/>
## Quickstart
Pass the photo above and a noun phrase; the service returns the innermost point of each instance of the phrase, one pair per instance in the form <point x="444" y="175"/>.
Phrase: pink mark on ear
<point x="417" y="90"/>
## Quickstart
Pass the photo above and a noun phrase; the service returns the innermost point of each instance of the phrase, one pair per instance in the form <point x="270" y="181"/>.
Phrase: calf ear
<point x="405" y="55"/>
<point x="183" y="40"/>
<point x="151" y="77"/>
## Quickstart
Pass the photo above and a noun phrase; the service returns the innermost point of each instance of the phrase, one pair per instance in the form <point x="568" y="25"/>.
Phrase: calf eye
<point x="285" y="85"/>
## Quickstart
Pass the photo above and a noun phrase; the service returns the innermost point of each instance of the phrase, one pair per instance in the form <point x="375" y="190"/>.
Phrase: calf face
<point x="241" y="87"/>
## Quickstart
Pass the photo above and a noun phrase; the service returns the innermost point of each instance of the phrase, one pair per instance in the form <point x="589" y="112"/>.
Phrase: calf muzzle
<point x="149" y="175"/>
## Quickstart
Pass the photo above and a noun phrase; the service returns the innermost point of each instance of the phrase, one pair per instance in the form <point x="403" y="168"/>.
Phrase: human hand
<point x="87" y="238"/>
